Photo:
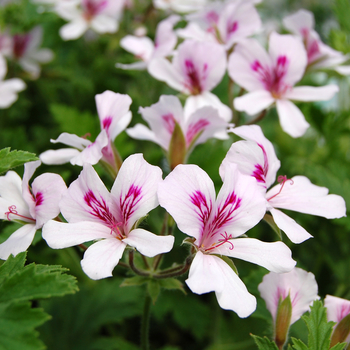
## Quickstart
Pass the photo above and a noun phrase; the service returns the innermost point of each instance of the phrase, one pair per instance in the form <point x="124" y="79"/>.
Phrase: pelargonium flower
<point x="215" y="224"/>
<point x="337" y="310"/>
<point x="256" y="157"/>
<point x="25" y="49"/>
<point x="270" y="78"/>
<point x="30" y="207"/>
<point x="8" y="88"/>
<point x="109" y="218"/>
<point x="165" y="115"/>
<point x="224" y="23"/>
<point x="197" y="67"/>
<point x="300" y="285"/>
<point x="114" y="114"/>
<point x="144" y="48"/>
<point x="319" y="55"/>
<point x="100" y="15"/>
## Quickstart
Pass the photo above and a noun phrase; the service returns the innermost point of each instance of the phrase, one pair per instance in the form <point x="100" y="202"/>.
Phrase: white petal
<point x="148" y="243"/>
<point x="161" y="69"/>
<point x="113" y="111"/>
<point x="73" y="30"/>
<point x="63" y="235"/>
<point x="253" y="102"/>
<point x="292" y="48"/>
<point x="8" y="91"/>
<point x="87" y="199"/>
<point x="210" y="273"/>
<point x="294" y="231"/>
<point x="292" y="120"/>
<point x="142" y="47"/>
<point x="188" y="194"/>
<point x="302" y="19"/>
<point x="240" y="204"/>
<point x="254" y="133"/>
<point x="18" y="242"/>
<point x="72" y="140"/>
<point x="344" y="70"/>
<point x="206" y="98"/>
<point x="132" y="66"/>
<point x="101" y="258"/>
<point x="240" y="63"/>
<point x="104" y="24"/>
<point x="275" y="256"/>
<point x="299" y="194"/>
<point x="311" y="93"/>
<point x="59" y="156"/>
<point x="47" y="189"/>
<point x="141" y="132"/>
<point x="134" y="192"/>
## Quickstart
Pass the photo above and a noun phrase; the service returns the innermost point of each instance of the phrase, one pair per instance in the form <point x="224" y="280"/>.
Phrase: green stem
<point x="133" y="267"/>
<point x="177" y="271"/>
<point x="258" y="118"/>
<point x="145" y="323"/>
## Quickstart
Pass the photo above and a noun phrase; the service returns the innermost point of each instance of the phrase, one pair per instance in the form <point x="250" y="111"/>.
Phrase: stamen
<point x="282" y="179"/>
<point x="12" y="210"/>
<point x="226" y="238"/>
<point x="116" y="229"/>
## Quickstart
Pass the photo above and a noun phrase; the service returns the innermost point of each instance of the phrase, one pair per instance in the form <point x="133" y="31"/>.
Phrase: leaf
<point x="17" y="326"/>
<point x="12" y="265"/>
<point x="134" y="281"/>
<point x="319" y="329"/>
<point x="339" y="346"/>
<point x="36" y="281"/>
<point x="11" y="159"/>
<point x="299" y="345"/>
<point x="153" y="288"/>
<point x="172" y="283"/>
<point x="264" y="343"/>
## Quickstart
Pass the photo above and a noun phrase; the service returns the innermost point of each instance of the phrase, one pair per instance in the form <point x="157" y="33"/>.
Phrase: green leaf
<point x="153" y="288"/>
<point x="11" y="266"/>
<point x="339" y="346"/>
<point x="264" y="343"/>
<point x="229" y="262"/>
<point x="172" y="283"/>
<point x="134" y="281"/>
<point x="36" y="281"/>
<point x="341" y="331"/>
<point x="299" y="345"/>
<point x="177" y="147"/>
<point x="319" y="329"/>
<point x="11" y="159"/>
<point x="17" y="326"/>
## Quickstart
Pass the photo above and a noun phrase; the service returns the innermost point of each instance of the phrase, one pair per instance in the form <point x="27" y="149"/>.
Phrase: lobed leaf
<point x="11" y="159"/>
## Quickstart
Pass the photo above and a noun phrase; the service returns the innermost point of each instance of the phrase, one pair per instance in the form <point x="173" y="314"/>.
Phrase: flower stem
<point x="258" y="118"/>
<point x="145" y="323"/>
<point x="177" y="271"/>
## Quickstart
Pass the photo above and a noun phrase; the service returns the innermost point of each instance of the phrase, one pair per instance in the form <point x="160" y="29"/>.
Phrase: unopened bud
<point x="177" y="147"/>
<point x="283" y="318"/>
<point x="341" y="331"/>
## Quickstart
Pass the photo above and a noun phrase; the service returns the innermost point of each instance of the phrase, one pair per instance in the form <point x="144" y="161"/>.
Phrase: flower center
<point x="20" y="44"/>
<point x="272" y="77"/>
<point x="93" y="8"/>
<point x="193" y="82"/>
<point x="282" y="179"/>
<point x="225" y="239"/>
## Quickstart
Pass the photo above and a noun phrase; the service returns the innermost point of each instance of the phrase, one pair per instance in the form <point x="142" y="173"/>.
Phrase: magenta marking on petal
<point x="169" y="121"/>
<point x="343" y="311"/>
<point x="106" y="123"/>
<point x="93" y="7"/>
<point x="224" y="212"/>
<point x="194" y="129"/>
<point x="20" y="44"/>
<point x="226" y="239"/>
<point x="272" y="77"/>
<point x="100" y="210"/>
<point x="39" y="198"/>
<point x="129" y="202"/>
<point x="193" y="82"/>
<point x="260" y="171"/>
<point x="199" y="200"/>
<point x="231" y="27"/>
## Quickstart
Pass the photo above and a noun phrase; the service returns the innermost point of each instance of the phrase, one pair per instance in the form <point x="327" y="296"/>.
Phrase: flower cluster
<point x="217" y="43"/>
